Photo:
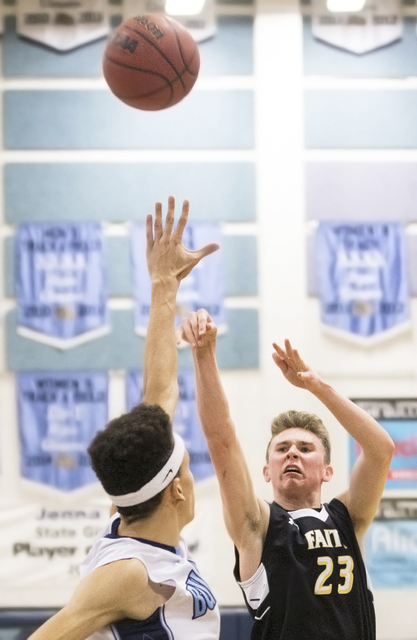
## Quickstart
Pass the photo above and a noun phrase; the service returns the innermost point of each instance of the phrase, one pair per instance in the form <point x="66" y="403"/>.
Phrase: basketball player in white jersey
<point x="138" y="580"/>
<point x="298" y="561"/>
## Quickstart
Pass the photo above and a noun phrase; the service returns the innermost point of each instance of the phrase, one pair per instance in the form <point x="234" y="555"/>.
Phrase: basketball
<point x="151" y="62"/>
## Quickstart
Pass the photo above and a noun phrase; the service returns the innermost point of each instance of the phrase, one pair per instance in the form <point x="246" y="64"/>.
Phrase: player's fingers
<point x="279" y="362"/>
<point x="169" y="220"/>
<point x="289" y="349"/>
<point x="158" y="220"/>
<point x="189" y="328"/>
<point x="149" y="231"/>
<point x="182" y="221"/>
<point x="205" y="251"/>
<point x="202" y="319"/>
<point x="280" y="352"/>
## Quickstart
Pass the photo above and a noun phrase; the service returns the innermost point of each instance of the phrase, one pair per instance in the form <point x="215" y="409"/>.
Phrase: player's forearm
<point x="213" y="407"/>
<point x="374" y="440"/>
<point x="160" y="368"/>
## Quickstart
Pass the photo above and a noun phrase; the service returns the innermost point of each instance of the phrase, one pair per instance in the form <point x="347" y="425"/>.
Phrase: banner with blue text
<point x="363" y="280"/>
<point x="60" y="283"/>
<point x="186" y="421"/>
<point x="59" y="414"/>
<point x="391" y="545"/>
<point x="203" y="287"/>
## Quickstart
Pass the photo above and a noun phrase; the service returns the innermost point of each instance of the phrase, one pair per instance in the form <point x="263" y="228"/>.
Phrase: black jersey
<point x="312" y="582"/>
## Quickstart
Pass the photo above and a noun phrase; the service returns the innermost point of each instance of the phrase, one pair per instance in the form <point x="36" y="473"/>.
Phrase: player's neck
<point x="292" y="502"/>
<point x="159" y="527"/>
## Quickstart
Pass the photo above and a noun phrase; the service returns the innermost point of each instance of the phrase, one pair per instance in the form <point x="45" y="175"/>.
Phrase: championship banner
<point x="362" y="278"/>
<point x="41" y="548"/>
<point x="186" y="421"/>
<point x="399" y="419"/>
<point x="391" y="545"/>
<point x="197" y="16"/>
<point x="203" y="287"/>
<point x="60" y="283"/>
<point x="379" y="23"/>
<point x="59" y="414"/>
<point x="62" y="25"/>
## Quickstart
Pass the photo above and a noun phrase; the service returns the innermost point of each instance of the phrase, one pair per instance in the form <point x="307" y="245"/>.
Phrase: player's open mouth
<point x="292" y="470"/>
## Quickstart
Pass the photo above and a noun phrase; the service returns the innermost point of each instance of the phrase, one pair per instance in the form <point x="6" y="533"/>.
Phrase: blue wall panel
<point x="361" y="119"/>
<point x="98" y="120"/>
<point x="397" y="60"/>
<point x="229" y="53"/>
<point x="239" y="254"/>
<point x="44" y="192"/>
<point x="123" y="349"/>
<point x="361" y="191"/>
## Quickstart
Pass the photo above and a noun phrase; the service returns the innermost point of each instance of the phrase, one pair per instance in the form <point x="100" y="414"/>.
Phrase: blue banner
<point x="391" y="554"/>
<point x="59" y="414"/>
<point x="362" y="279"/>
<point x="203" y="287"/>
<point x="186" y="421"/>
<point x="399" y="418"/>
<point x="60" y="283"/>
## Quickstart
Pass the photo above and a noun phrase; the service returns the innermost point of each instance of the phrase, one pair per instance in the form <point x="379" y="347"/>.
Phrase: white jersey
<point x="191" y="613"/>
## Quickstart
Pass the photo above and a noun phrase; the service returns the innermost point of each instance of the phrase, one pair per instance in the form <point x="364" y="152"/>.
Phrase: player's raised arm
<point x="370" y="471"/>
<point x="246" y="517"/>
<point x="168" y="263"/>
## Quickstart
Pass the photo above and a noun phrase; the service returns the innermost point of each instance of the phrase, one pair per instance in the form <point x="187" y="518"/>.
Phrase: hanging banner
<point x="362" y="280"/>
<point x="203" y="287"/>
<point x="197" y="16"/>
<point x="60" y="283"/>
<point x="59" y="414"/>
<point x="41" y="547"/>
<point x="63" y="24"/>
<point x="379" y="23"/>
<point x="399" y="419"/>
<point x="186" y="421"/>
<point x="391" y="545"/>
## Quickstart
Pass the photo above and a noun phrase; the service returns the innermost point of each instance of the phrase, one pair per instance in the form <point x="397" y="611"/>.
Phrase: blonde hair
<point x="301" y="420"/>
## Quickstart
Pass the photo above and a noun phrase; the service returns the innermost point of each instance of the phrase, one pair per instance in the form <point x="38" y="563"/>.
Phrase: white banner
<point x="41" y="547"/>
<point x="63" y="24"/>
<point x="197" y="16"/>
<point x="379" y="23"/>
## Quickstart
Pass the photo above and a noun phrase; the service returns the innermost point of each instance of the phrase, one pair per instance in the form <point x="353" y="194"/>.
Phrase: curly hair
<point x="130" y="452"/>
<point x="301" y="420"/>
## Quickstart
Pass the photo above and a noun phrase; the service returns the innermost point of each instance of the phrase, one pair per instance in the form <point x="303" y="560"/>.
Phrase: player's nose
<point x="292" y="452"/>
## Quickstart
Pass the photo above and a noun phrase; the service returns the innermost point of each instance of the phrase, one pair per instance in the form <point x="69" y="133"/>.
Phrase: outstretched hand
<point x="198" y="330"/>
<point x="294" y="369"/>
<point x="165" y="254"/>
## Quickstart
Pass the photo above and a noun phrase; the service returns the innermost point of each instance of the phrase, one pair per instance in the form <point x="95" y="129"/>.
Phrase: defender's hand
<point x="165" y="254"/>
<point x="294" y="369"/>
<point x="198" y="330"/>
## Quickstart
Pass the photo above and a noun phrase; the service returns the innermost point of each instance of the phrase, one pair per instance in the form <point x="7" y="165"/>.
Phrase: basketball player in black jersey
<point x="298" y="561"/>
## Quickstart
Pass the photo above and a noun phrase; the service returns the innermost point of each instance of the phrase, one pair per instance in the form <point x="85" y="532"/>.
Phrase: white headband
<point x="159" y="482"/>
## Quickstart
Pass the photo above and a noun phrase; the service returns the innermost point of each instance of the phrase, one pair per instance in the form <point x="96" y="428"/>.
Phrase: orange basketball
<point x="151" y="62"/>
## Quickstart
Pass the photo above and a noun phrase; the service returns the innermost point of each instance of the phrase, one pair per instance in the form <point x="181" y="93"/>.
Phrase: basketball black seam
<point x="147" y="95"/>
<point x="159" y="51"/>
<point x="186" y="67"/>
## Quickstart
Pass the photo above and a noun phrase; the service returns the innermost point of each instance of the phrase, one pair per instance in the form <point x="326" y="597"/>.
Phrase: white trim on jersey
<point x="311" y="513"/>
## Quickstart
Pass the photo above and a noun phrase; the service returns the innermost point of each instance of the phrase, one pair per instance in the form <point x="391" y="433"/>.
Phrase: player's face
<point x="296" y="463"/>
<point x="187" y="485"/>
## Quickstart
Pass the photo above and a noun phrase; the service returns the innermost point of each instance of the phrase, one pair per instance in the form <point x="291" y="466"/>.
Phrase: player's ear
<point x="176" y="490"/>
<point x="266" y="473"/>
<point x="328" y="473"/>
